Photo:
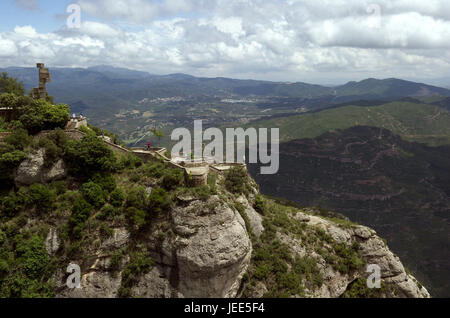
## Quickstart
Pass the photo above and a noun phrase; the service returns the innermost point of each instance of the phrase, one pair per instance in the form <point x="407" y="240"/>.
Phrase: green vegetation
<point x="236" y="180"/>
<point x="273" y="263"/>
<point x="94" y="194"/>
<point x="81" y="211"/>
<point x="413" y="122"/>
<point x="284" y="273"/>
<point x="260" y="205"/>
<point x="365" y="169"/>
<point x="89" y="156"/>
<point x="25" y="268"/>
<point x="11" y="85"/>
<point x="42" y="115"/>
<point x="359" y="289"/>
<point x="140" y="263"/>
<point x="116" y="198"/>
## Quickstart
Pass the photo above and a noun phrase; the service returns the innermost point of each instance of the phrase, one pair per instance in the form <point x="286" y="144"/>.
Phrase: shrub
<point x="10" y="160"/>
<point x="94" y="194"/>
<point x="137" y="198"/>
<point x="117" y="197"/>
<point x="59" y="137"/>
<point x="260" y="205"/>
<point x="81" y="211"/>
<point x="33" y="257"/>
<point x="135" y="177"/>
<point x="140" y="263"/>
<point x="11" y="85"/>
<point x="359" y="289"/>
<point x="88" y="156"/>
<point x="159" y="201"/>
<point x="236" y="180"/>
<point x="155" y="170"/>
<point x="52" y="152"/>
<point x="42" y="196"/>
<point x="59" y="186"/>
<point x="130" y="161"/>
<point x="11" y="204"/>
<point x="108" y="212"/>
<point x="137" y="218"/>
<point x="203" y="192"/>
<point x="106" y="231"/>
<point x="43" y="115"/>
<point x="18" y="138"/>
<point x="172" y="179"/>
<point x="116" y="260"/>
<point x="105" y="180"/>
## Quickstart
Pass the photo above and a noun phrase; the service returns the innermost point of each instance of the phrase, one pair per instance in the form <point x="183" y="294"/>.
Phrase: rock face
<point x="254" y="217"/>
<point x="201" y="249"/>
<point x="225" y="247"/>
<point x="52" y="242"/>
<point x="207" y="256"/>
<point x="33" y="170"/>
<point x="373" y="251"/>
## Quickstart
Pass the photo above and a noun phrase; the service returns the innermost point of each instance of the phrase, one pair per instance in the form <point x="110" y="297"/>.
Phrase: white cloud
<point x="305" y="40"/>
<point x="7" y="48"/>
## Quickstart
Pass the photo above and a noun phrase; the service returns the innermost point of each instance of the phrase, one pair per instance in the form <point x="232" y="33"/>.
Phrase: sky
<point x="314" y="41"/>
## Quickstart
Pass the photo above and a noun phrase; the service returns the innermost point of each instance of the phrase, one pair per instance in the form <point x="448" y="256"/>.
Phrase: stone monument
<point x="44" y="78"/>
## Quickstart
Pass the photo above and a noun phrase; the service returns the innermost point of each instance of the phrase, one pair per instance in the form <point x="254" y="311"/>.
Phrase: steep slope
<point x="136" y="230"/>
<point x="414" y="122"/>
<point x="374" y="177"/>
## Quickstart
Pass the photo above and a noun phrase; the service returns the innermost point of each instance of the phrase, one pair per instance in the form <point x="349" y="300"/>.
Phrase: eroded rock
<point x="33" y="170"/>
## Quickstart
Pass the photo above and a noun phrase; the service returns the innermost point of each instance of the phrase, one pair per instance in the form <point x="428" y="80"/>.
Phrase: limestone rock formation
<point x="206" y="257"/>
<point x="52" y="242"/>
<point x="33" y="170"/>
<point x="373" y="251"/>
<point x="254" y="217"/>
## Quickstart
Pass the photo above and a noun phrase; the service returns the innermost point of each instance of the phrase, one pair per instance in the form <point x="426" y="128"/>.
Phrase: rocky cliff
<point x="140" y="231"/>
<point x="205" y="250"/>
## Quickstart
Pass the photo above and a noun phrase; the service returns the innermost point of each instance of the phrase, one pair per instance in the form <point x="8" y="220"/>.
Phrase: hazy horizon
<point x="308" y="41"/>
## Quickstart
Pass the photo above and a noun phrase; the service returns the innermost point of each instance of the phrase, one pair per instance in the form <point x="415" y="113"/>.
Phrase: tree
<point x="157" y="133"/>
<point x="11" y="85"/>
<point x="89" y="156"/>
<point x="42" y="115"/>
<point x="236" y="180"/>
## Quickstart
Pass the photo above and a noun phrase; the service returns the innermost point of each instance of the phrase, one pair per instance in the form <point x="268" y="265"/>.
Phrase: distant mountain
<point x="388" y="88"/>
<point x="413" y="121"/>
<point x="106" y="86"/>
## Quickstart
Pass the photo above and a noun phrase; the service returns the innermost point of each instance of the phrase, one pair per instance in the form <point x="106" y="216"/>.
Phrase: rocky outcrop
<point x="207" y="256"/>
<point x="33" y="170"/>
<point x="254" y="217"/>
<point x="209" y="253"/>
<point x="52" y="242"/>
<point x="372" y="249"/>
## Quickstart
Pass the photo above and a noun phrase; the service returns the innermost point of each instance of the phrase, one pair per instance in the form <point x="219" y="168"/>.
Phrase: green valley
<point x="412" y="121"/>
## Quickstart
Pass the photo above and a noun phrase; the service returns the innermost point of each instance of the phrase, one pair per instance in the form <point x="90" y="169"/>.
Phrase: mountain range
<point x="118" y="85"/>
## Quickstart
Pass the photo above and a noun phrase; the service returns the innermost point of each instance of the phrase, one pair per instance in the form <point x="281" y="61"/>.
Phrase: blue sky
<point x="326" y="41"/>
<point x="43" y="20"/>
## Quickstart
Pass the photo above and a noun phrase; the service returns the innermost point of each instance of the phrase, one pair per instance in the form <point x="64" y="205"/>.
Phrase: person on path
<point x="148" y="145"/>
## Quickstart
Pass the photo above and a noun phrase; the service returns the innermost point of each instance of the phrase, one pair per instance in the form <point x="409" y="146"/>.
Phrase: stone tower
<point x="44" y="78"/>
